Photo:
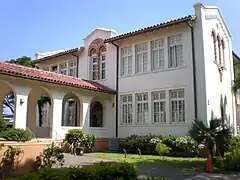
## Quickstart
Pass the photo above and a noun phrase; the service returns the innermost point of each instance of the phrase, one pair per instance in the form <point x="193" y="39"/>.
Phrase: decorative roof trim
<point x="59" y="54"/>
<point x="151" y="28"/>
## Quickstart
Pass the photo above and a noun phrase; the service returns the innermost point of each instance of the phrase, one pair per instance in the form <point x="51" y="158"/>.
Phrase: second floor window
<point x="72" y="68"/>
<point x="141" y="57"/>
<point x="175" y="47"/>
<point x="126" y="60"/>
<point x="63" y="68"/>
<point x="157" y="51"/>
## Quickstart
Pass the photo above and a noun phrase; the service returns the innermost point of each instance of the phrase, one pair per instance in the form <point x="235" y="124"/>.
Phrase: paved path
<point x="153" y="169"/>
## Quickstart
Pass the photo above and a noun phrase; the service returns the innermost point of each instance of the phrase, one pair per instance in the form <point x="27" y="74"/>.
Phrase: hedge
<point x="99" y="171"/>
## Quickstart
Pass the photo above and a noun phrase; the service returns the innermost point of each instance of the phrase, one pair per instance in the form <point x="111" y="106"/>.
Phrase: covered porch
<point x="49" y="104"/>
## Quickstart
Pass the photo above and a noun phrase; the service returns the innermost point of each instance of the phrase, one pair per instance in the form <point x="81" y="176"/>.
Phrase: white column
<point x="86" y="113"/>
<point x="57" y="115"/>
<point x="21" y="103"/>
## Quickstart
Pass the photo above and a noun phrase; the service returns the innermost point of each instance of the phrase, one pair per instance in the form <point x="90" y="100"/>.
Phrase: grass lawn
<point x="191" y="164"/>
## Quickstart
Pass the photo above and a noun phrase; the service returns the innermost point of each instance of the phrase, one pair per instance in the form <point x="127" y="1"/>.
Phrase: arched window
<point x="71" y="111"/>
<point x="97" y="52"/>
<point x="223" y="52"/>
<point x="96" y="114"/>
<point x="214" y="45"/>
<point x="219" y="50"/>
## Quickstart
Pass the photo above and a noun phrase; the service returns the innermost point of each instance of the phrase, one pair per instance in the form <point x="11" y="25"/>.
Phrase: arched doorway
<point x="96" y="114"/>
<point x="39" y="112"/>
<point x="71" y="111"/>
<point x="7" y="105"/>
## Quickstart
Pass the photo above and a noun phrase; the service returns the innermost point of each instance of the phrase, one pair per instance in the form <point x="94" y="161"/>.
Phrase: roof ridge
<point x="152" y="27"/>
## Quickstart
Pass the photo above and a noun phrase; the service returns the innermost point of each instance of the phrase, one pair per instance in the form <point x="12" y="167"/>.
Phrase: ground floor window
<point x="96" y="114"/>
<point x="126" y="111"/>
<point x="177" y="106"/>
<point x="141" y="108"/>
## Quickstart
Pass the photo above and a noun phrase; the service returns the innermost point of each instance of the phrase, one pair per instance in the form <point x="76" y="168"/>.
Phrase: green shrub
<point x="77" y="137"/>
<point x="133" y="142"/>
<point x="89" y="141"/>
<point x="3" y="125"/>
<point x="99" y="171"/>
<point x="162" y="149"/>
<point x="234" y="143"/>
<point x="49" y="157"/>
<point x="15" y="134"/>
<point x="232" y="160"/>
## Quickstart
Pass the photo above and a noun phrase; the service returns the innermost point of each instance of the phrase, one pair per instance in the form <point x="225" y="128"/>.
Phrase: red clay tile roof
<point x="151" y="28"/>
<point x="50" y="77"/>
<point x="60" y="54"/>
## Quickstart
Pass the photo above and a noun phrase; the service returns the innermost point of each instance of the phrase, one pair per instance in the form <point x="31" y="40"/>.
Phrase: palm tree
<point x="216" y="135"/>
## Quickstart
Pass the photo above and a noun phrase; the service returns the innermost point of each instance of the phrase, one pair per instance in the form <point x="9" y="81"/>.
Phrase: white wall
<point x="166" y="79"/>
<point x="209" y="18"/>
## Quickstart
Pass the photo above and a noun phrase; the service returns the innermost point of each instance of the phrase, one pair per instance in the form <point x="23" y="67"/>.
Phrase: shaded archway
<point x="39" y="112"/>
<point x="96" y="114"/>
<point x="7" y="105"/>
<point x="71" y="111"/>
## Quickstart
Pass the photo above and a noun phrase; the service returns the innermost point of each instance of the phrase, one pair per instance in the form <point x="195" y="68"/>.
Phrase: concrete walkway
<point x="153" y="169"/>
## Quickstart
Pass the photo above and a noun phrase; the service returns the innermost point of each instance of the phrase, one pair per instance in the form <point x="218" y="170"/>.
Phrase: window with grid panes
<point x="141" y="59"/>
<point x="94" y="68"/>
<point x="103" y="66"/>
<point x="175" y="47"/>
<point x="72" y="68"/>
<point x="126" y="60"/>
<point x="126" y="103"/>
<point x="177" y="106"/>
<point x="159" y="107"/>
<point x="141" y="108"/>
<point x="157" y="53"/>
<point x="63" y="68"/>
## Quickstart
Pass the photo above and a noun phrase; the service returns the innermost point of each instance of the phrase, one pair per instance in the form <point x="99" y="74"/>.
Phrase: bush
<point x="232" y="160"/>
<point x="15" y="134"/>
<point x="89" y="141"/>
<point x="162" y="149"/>
<point x="178" y="146"/>
<point x="144" y="143"/>
<point x="3" y="125"/>
<point x="234" y="143"/>
<point x="100" y="171"/>
<point x="49" y="157"/>
<point x="74" y="136"/>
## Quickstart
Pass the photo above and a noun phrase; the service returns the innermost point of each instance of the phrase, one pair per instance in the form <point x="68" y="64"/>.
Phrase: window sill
<point x="71" y="127"/>
<point x="99" y="81"/>
<point x="154" y="125"/>
<point x="97" y="128"/>
<point x="153" y="71"/>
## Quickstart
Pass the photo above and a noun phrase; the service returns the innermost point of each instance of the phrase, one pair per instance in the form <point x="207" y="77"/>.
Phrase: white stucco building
<point x="154" y="80"/>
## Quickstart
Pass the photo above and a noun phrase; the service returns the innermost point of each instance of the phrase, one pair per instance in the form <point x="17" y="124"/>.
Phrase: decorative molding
<point x="211" y="16"/>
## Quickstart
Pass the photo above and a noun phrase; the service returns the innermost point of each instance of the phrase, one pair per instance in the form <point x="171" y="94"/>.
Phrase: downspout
<point x="117" y="88"/>
<point x="194" y="70"/>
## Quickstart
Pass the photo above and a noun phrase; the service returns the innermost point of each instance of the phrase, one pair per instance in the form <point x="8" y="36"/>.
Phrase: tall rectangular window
<point x="126" y="104"/>
<point x="159" y="107"/>
<point x="175" y="48"/>
<point x="177" y="106"/>
<point x="95" y="68"/>
<point x="63" y="68"/>
<point x="72" y="68"/>
<point x="157" y="53"/>
<point x="103" y="66"/>
<point x="141" y="59"/>
<point x="126" y="60"/>
<point x="46" y="68"/>
<point x="141" y="108"/>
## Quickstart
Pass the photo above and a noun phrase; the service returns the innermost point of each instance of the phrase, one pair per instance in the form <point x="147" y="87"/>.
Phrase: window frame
<point x="101" y="69"/>
<point x="177" y="99"/>
<point x="63" y="69"/>
<point x="95" y="56"/>
<point x="142" y="113"/>
<point x="141" y="49"/>
<point x="129" y="60"/>
<point x="160" y="111"/>
<point x="159" y="49"/>
<point x="178" y="62"/>
<point x="126" y="118"/>
<point x="72" y="68"/>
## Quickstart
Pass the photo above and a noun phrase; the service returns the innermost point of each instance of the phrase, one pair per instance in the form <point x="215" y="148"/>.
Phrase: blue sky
<point x="29" y="26"/>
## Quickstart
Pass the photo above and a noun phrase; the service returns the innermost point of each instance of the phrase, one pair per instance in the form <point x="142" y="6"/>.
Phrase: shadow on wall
<point x="225" y="118"/>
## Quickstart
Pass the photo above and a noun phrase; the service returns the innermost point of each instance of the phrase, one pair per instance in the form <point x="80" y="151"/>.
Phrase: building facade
<point x="164" y="77"/>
